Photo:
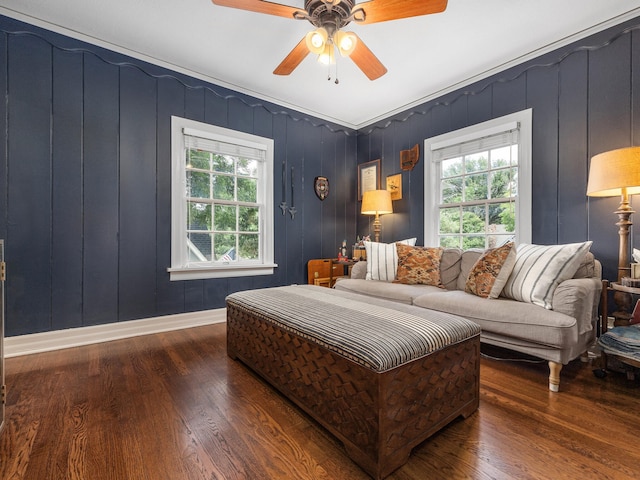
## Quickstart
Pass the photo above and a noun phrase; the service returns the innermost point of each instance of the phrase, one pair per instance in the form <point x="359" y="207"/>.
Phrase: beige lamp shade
<point x="613" y="171"/>
<point x="376" y="202"/>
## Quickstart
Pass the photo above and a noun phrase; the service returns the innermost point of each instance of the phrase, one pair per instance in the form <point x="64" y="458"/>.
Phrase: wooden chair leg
<point x="554" y="376"/>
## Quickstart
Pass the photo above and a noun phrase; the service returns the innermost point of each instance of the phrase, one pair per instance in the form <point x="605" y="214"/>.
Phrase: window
<point x="222" y="202"/>
<point x="478" y="184"/>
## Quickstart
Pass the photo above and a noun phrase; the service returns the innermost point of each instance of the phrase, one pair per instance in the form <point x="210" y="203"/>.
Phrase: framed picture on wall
<point x="394" y="185"/>
<point x="368" y="177"/>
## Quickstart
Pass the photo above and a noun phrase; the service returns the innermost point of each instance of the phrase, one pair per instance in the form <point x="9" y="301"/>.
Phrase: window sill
<point x="225" y="271"/>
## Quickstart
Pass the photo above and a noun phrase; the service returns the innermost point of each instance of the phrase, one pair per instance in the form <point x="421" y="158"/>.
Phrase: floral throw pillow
<point x="419" y="265"/>
<point x="491" y="271"/>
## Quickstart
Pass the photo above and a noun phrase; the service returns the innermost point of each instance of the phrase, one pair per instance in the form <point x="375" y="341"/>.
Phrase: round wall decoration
<point x="321" y="187"/>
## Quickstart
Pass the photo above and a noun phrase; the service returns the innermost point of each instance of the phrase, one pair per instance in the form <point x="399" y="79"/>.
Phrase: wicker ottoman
<point x="380" y="376"/>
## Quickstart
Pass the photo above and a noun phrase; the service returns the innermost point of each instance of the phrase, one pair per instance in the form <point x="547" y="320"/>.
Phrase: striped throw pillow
<point x="382" y="260"/>
<point x="539" y="269"/>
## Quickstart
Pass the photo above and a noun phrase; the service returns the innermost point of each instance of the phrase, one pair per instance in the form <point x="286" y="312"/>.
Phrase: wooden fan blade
<point x="292" y="60"/>
<point x="367" y="61"/>
<point x="383" y="10"/>
<point x="259" y="6"/>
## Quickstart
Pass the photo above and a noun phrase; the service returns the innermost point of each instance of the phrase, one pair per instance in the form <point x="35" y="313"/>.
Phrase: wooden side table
<point x="344" y="267"/>
<point x="325" y="271"/>
<point x="623" y="299"/>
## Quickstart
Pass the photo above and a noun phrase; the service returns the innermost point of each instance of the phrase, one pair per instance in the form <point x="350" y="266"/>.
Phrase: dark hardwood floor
<point x="174" y="406"/>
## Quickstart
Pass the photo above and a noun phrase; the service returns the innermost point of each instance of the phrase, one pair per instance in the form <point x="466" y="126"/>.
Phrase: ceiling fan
<point x="329" y="17"/>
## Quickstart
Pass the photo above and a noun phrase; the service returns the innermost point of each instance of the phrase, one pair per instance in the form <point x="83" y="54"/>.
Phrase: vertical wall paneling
<point x="240" y="115"/>
<point x="542" y="97"/>
<point x="171" y="101"/>
<point x="479" y="101"/>
<point x="572" y="148"/>
<point x="320" y="226"/>
<point x="100" y="191"/>
<point x="4" y="96"/>
<point x="137" y="180"/>
<point x="347" y="181"/>
<point x="29" y="194"/>
<point x="509" y="93"/>
<point x="635" y="125"/>
<point x="216" y="109"/>
<point x="85" y="157"/>
<point x="56" y="135"/>
<point x="585" y="100"/>
<point x="296" y="264"/>
<point x="609" y="128"/>
<point x="67" y="178"/>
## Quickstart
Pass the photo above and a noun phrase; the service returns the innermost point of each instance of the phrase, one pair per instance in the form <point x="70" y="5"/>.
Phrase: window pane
<point x="247" y="167"/>
<point x="198" y="216"/>
<point x="450" y="220"/>
<point x="514" y="154"/>
<point x="473" y="219"/>
<point x="223" y="187"/>
<point x="501" y="183"/>
<point x="475" y="187"/>
<point x="502" y="217"/>
<point x="224" y="247"/>
<point x="225" y="218"/>
<point x="500" y="157"/>
<point x="476" y="162"/>
<point x="198" y="159"/>
<point x="222" y="164"/>
<point x="452" y="190"/>
<point x="452" y="167"/>
<point x="450" y="242"/>
<point x="473" y="242"/>
<point x="247" y="190"/>
<point x="249" y="219"/>
<point x="197" y="184"/>
<point x="249" y="247"/>
<point x="198" y="247"/>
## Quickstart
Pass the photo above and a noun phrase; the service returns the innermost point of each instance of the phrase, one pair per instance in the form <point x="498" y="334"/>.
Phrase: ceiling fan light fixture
<point x="327" y="57"/>
<point x="345" y="41"/>
<point x="317" y="40"/>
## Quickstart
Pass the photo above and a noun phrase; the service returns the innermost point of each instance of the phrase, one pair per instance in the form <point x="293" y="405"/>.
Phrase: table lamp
<point x="376" y="202"/>
<point x="614" y="173"/>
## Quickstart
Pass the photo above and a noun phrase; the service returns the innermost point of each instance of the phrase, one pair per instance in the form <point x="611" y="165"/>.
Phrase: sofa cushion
<point x="419" y="265"/>
<point x="540" y="268"/>
<point x="490" y="272"/>
<point x="467" y="261"/>
<point x="506" y="317"/>
<point x="450" y="267"/>
<point x="587" y="268"/>
<point x="396" y="292"/>
<point x="382" y="259"/>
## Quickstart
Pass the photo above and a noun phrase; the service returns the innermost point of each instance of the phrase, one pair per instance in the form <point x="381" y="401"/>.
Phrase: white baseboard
<point x="75" y="337"/>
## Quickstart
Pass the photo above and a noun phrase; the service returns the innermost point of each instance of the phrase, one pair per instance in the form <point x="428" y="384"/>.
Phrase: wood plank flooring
<point x="174" y="406"/>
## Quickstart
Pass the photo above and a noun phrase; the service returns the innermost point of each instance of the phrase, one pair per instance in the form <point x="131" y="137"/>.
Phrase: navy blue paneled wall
<point x="585" y="99"/>
<point x="85" y="183"/>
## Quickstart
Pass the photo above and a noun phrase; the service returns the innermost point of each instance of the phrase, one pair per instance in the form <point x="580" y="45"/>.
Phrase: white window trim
<point x="177" y="270"/>
<point x="490" y="127"/>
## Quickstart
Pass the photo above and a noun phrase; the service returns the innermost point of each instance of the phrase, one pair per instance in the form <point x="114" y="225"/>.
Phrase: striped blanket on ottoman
<point x="380" y="376"/>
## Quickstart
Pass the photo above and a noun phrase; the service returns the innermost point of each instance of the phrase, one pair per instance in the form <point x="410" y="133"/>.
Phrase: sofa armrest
<point x="579" y="298"/>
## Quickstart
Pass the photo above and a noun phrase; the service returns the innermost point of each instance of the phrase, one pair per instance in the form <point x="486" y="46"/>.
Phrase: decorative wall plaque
<point x="409" y="158"/>
<point x="321" y="187"/>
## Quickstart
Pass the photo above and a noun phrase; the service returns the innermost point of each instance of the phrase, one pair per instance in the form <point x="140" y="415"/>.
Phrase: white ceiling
<point x="425" y="56"/>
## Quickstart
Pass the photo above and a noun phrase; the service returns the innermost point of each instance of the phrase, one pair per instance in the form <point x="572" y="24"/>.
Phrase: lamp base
<point x="377" y="227"/>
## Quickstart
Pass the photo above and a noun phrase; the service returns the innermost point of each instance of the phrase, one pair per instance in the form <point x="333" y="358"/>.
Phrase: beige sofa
<point x="559" y="334"/>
